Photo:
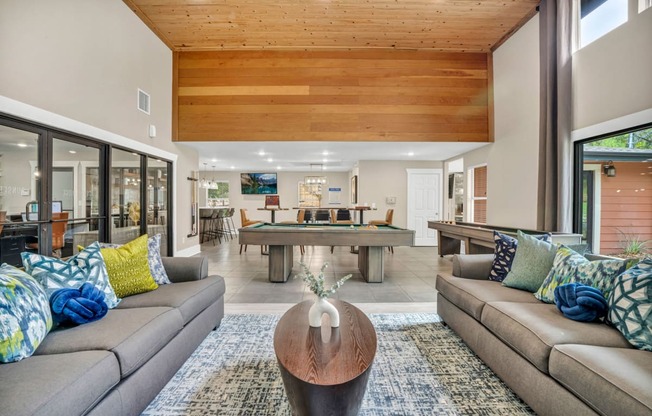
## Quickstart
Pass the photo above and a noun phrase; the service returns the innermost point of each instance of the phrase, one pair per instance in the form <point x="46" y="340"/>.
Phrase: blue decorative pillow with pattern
<point x="25" y="317"/>
<point x="572" y="267"/>
<point x="630" y="305"/>
<point x="86" y="266"/>
<point x="504" y="254"/>
<point x="153" y="258"/>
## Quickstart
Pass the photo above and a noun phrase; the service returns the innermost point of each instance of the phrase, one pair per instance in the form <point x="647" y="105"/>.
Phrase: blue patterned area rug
<point x="421" y="368"/>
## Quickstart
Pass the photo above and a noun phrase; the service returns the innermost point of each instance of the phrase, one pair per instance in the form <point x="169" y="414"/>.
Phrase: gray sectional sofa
<point x="117" y="365"/>
<point x="556" y="365"/>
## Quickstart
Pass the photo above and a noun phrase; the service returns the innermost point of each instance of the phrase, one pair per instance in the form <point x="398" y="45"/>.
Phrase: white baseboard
<point x="188" y="252"/>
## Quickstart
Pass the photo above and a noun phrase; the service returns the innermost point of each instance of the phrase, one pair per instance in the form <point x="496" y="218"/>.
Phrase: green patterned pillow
<point x="571" y="267"/>
<point x="630" y="305"/>
<point x="532" y="262"/>
<point x="86" y="266"/>
<point x="25" y="317"/>
<point x="128" y="268"/>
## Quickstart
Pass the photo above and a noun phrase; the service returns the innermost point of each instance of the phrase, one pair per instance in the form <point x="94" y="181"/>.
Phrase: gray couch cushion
<point x="471" y="295"/>
<point x="532" y="329"/>
<point x="614" y="381"/>
<point x="189" y="297"/>
<point x="133" y="335"/>
<point x="58" y="384"/>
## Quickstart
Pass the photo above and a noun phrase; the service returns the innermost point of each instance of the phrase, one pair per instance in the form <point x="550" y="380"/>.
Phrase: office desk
<point x="13" y="240"/>
<point x="282" y="237"/>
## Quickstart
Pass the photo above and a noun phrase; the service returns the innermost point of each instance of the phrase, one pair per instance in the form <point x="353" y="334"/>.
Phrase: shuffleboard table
<point x="281" y="238"/>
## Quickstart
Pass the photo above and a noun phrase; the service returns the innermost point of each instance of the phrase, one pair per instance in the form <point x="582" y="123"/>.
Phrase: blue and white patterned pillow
<point x="153" y="258"/>
<point x="86" y="266"/>
<point x="630" y="305"/>
<point x="504" y="254"/>
<point x="25" y="317"/>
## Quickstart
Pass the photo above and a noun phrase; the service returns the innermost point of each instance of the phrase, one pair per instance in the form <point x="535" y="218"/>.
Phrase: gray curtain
<point x="556" y="36"/>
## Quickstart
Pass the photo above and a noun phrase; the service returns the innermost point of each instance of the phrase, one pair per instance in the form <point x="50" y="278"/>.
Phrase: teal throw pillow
<point x="630" y="305"/>
<point x="572" y="267"/>
<point x="532" y="263"/>
<point x="86" y="266"/>
<point x="25" y="317"/>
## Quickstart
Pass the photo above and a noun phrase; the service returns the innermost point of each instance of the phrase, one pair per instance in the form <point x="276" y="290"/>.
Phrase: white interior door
<point x="424" y="203"/>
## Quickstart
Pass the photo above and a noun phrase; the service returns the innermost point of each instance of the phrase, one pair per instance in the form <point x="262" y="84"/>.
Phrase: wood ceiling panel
<point x="435" y="25"/>
<point x="353" y="95"/>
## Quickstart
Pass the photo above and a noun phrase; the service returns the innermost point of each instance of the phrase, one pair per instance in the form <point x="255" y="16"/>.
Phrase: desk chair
<point x="389" y="217"/>
<point x="245" y="222"/>
<point x="58" y="233"/>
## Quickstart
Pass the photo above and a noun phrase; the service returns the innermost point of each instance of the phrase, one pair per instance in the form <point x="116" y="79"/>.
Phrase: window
<point x="477" y="177"/>
<point x="614" y="193"/>
<point x="644" y="5"/>
<point x="57" y="192"/>
<point x="309" y="195"/>
<point x="599" y="17"/>
<point x="219" y="195"/>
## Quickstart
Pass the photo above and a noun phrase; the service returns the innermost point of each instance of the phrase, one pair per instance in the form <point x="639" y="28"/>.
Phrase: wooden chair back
<point x="389" y="217"/>
<point x="59" y="229"/>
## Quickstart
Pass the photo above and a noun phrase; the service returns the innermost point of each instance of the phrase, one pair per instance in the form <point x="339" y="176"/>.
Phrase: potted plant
<point x="321" y="305"/>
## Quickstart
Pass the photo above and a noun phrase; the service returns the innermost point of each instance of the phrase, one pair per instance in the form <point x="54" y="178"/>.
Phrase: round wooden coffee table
<point x="325" y="370"/>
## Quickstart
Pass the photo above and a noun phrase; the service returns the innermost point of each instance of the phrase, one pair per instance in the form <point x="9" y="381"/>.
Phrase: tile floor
<point x="409" y="277"/>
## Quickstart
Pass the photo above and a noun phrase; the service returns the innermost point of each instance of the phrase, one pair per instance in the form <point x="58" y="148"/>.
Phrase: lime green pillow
<point x="128" y="268"/>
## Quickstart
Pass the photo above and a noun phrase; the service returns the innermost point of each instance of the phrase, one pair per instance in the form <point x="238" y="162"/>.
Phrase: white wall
<point x="380" y="179"/>
<point x="287" y="191"/>
<point x="612" y="75"/>
<point x="84" y="61"/>
<point x="512" y="160"/>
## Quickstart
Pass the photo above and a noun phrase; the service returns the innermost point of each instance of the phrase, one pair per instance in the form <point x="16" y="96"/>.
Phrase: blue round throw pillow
<point x="580" y="302"/>
<point x="78" y="306"/>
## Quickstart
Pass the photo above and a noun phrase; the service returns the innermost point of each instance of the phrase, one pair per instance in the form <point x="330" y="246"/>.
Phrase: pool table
<point x="282" y="237"/>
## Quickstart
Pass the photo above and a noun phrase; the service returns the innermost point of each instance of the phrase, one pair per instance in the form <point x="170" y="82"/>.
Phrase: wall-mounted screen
<point x="258" y="183"/>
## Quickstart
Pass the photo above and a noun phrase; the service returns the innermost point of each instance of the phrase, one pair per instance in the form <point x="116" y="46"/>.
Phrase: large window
<point x="218" y="195"/>
<point x="614" y="208"/>
<point x="59" y="191"/>
<point x="599" y="17"/>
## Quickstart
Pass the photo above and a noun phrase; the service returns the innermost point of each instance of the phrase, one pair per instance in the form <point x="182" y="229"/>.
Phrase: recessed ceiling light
<point x="325" y="153"/>
<point x="232" y="167"/>
<point x="270" y="160"/>
<point x="324" y="160"/>
<point x="261" y="153"/>
<point x="213" y="160"/>
<point x="279" y="167"/>
<point x="411" y="154"/>
<point x="618" y="190"/>
<point x="21" y="145"/>
<point x="134" y="153"/>
<point x="72" y="152"/>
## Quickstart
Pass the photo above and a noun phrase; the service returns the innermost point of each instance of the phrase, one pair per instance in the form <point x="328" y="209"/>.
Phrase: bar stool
<point x="205" y="217"/>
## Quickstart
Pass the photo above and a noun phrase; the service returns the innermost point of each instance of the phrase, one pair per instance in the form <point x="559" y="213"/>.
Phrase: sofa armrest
<point x="185" y="269"/>
<point x="472" y="266"/>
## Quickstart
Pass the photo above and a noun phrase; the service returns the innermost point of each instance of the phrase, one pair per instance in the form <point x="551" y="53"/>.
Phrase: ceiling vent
<point x="143" y="101"/>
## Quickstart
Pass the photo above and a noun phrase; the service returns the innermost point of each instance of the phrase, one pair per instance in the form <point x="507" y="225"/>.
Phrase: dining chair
<point x="301" y="217"/>
<point x="341" y="216"/>
<point x="389" y="217"/>
<point x="245" y="222"/>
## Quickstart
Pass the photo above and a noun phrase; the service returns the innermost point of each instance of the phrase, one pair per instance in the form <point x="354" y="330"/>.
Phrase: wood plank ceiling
<point x="433" y="25"/>
<point x="329" y="70"/>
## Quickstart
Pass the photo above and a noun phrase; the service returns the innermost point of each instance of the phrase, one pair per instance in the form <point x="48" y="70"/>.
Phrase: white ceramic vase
<point x="320" y="307"/>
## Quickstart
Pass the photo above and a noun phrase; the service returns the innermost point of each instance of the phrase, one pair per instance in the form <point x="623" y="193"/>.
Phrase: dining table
<point x="273" y="211"/>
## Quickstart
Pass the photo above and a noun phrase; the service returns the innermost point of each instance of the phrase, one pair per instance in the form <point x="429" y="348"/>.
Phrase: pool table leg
<point x="371" y="262"/>
<point x="280" y="263"/>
